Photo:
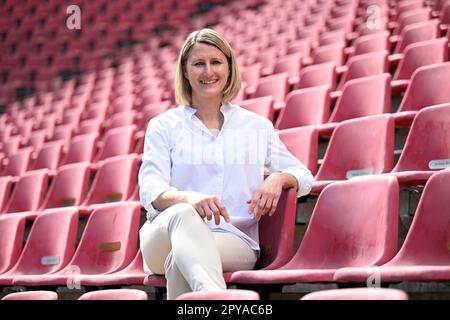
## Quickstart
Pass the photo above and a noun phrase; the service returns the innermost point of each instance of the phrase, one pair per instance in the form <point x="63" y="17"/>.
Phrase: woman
<point x="202" y="174"/>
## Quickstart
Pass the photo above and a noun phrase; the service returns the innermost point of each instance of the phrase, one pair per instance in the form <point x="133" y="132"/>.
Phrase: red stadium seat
<point x="304" y="107"/>
<point x="49" y="247"/>
<point x="424" y="254"/>
<point x="427" y="146"/>
<point x="347" y="228"/>
<point x="108" y="244"/>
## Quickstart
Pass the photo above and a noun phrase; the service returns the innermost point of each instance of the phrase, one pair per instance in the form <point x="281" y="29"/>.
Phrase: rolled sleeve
<point x="154" y="173"/>
<point x="279" y="159"/>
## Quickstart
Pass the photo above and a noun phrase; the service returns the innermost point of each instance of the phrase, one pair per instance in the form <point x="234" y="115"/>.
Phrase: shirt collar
<point x="225" y="108"/>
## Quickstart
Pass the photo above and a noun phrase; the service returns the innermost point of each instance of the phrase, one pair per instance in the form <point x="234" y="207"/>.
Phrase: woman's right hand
<point x="207" y="206"/>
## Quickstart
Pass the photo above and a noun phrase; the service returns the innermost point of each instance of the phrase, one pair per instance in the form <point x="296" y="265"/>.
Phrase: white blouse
<point x="180" y="153"/>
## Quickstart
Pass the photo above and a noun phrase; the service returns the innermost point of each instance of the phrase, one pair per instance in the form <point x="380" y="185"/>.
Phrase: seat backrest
<point x="428" y="87"/>
<point x="114" y="180"/>
<point x="363" y="97"/>
<point x="276" y="233"/>
<point x="427" y="241"/>
<point x="330" y="53"/>
<point x="372" y="42"/>
<point x="50" y="244"/>
<point x="323" y="74"/>
<point x="275" y="85"/>
<point x="410" y="17"/>
<point x="417" y="32"/>
<point x="354" y="224"/>
<point x="81" y="148"/>
<point x="304" y="107"/>
<point x="12" y="227"/>
<point x="18" y="162"/>
<point x="117" y="142"/>
<point x="110" y="238"/>
<point x="360" y="146"/>
<point x="262" y="106"/>
<point x="427" y="146"/>
<point x="49" y="156"/>
<point x="303" y="143"/>
<point x="69" y="186"/>
<point x="32" y="295"/>
<point x="420" y="54"/>
<point x="115" y="294"/>
<point x="365" y="65"/>
<point x="29" y="191"/>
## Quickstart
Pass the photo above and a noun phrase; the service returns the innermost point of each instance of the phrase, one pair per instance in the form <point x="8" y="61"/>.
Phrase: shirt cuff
<point x="304" y="180"/>
<point x="151" y="196"/>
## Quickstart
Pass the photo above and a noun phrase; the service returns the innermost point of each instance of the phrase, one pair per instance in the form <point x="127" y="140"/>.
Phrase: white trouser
<point x="179" y="244"/>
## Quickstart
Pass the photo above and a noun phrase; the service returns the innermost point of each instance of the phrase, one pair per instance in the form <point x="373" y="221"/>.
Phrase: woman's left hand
<point x="265" y="200"/>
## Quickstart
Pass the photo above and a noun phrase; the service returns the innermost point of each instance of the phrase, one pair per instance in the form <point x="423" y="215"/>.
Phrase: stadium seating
<point x="362" y="146"/>
<point x="49" y="247"/>
<point x="347" y="228"/>
<point x="108" y="244"/>
<point x="424" y="254"/>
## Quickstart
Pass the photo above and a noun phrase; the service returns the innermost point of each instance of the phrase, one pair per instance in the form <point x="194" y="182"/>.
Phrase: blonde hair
<point x="183" y="90"/>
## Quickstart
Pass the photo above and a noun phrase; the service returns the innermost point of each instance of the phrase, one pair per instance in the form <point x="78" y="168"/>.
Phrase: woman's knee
<point x="185" y="211"/>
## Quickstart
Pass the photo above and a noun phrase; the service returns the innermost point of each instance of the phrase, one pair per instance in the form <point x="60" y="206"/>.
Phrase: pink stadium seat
<point x="347" y="228"/>
<point x="115" y="294"/>
<point x="360" y="97"/>
<point x="413" y="33"/>
<point x="365" y="65"/>
<point x="427" y="147"/>
<point x="118" y="141"/>
<point x="69" y="186"/>
<point x="276" y="86"/>
<point x="49" y="156"/>
<point x="22" y="199"/>
<point x="424" y="254"/>
<point x="251" y="75"/>
<point x="329" y="53"/>
<point x="323" y="74"/>
<point x="49" y="247"/>
<point x="426" y="88"/>
<point x="309" y="106"/>
<point x="357" y="294"/>
<point x="290" y="64"/>
<point x="276" y="235"/>
<point x="229" y="294"/>
<point x="377" y="41"/>
<point x="12" y="227"/>
<point x="81" y="148"/>
<point x="417" y="55"/>
<point x="362" y="146"/>
<point x="303" y="143"/>
<point x="32" y="295"/>
<point x="114" y="181"/>
<point x="18" y="163"/>
<point x="108" y="244"/>
<point x="263" y="106"/>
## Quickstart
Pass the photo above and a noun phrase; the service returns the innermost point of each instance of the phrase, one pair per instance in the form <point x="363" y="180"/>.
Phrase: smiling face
<point x="207" y="71"/>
